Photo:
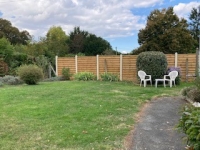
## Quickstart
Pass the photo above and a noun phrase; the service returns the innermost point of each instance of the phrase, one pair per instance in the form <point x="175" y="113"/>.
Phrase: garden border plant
<point x="189" y="123"/>
<point x="30" y="74"/>
<point x="109" y="77"/>
<point x="84" y="76"/>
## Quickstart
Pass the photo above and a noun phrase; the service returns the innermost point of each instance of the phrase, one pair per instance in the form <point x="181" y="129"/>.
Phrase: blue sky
<point x="117" y="21"/>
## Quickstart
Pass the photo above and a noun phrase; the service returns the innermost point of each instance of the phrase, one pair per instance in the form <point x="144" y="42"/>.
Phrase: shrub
<point x="11" y="80"/>
<point x="109" y="77"/>
<point x="84" y="76"/>
<point x="197" y="82"/>
<point x="189" y="123"/>
<point x="66" y="73"/>
<point x="186" y="90"/>
<point x="153" y="63"/>
<point x="43" y="63"/>
<point x="30" y="74"/>
<point x="1" y="83"/>
<point x="53" y="79"/>
<point x="194" y="95"/>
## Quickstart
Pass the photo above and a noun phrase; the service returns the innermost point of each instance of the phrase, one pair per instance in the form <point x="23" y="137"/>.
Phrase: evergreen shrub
<point x="154" y="63"/>
<point x="30" y="74"/>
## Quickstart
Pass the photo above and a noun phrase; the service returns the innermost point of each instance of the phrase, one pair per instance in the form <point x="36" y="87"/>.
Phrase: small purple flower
<point x="174" y="69"/>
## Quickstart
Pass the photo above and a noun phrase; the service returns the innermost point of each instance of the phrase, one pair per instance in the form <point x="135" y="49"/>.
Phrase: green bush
<point x="66" y="73"/>
<point x="30" y="74"/>
<point x="153" y="63"/>
<point x="109" y="77"/>
<point x="190" y="125"/>
<point x="84" y="76"/>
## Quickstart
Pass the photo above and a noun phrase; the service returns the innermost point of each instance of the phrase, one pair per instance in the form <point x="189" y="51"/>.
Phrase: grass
<point x="72" y="114"/>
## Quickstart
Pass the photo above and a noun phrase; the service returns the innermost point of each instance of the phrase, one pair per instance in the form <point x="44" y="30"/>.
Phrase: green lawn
<point x="71" y="114"/>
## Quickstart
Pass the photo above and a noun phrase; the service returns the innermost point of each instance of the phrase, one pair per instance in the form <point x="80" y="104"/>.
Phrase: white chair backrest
<point x="141" y="74"/>
<point x="173" y="75"/>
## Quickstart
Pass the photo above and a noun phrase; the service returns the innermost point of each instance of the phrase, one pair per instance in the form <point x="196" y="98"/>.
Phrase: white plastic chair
<point x="144" y="78"/>
<point x="171" y="77"/>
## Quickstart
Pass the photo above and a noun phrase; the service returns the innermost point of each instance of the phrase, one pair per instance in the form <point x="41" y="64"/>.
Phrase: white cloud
<point x="184" y="9"/>
<point x="106" y="18"/>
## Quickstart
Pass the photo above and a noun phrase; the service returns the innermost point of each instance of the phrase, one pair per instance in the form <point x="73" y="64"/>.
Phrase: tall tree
<point x="194" y="24"/>
<point x="56" y="40"/>
<point x="12" y="33"/>
<point x="76" y="40"/>
<point x="89" y="44"/>
<point x="94" y="45"/>
<point x="165" y="32"/>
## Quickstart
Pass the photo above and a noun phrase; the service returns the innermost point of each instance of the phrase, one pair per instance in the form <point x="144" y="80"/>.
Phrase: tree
<point x="12" y="33"/>
<point x="76" y="40"/>
<point x="84" y="42"/>
<point x="165" y="32"/>
<point x="94" y="45"/>
<point x="194" y="24"/>
<point x="6" y="50"/>
<point x="56" y="40"/>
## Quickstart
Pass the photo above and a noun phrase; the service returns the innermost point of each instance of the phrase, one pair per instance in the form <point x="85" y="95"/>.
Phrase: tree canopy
<point x="84" y="42"/>
<point x="194" y="24"/>
<point x="6" y="50"/>
<point x="165" y="32"/>
<point x="12" y="33"/>
<point x="94" y="45"/>
<point x="56" y="40"/>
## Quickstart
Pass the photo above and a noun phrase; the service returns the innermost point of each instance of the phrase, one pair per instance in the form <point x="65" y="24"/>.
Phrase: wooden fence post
<point x="121" y="66"/>
<point x="76" y="63"/>
<point x="97" y="67"/>
<point x="186" y="70"/>
<point x="197" y="62"/>
<point x="176" y="59"/>
<point x="56" y="65"/>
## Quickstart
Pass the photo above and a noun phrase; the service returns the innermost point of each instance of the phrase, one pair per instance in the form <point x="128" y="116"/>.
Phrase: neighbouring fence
<point x="123" y="65"/>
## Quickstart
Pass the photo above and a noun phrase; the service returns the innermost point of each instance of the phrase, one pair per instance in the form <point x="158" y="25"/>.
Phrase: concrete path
<point x="156" y="127"/>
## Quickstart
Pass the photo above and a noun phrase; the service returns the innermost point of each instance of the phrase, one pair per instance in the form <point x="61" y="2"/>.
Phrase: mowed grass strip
<point x="71" y="114"/>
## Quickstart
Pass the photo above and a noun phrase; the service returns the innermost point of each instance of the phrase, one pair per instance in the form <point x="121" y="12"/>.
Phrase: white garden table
<point x="159" y="80"/>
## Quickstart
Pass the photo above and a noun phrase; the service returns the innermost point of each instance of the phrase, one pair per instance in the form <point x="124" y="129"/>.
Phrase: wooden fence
<point x="123" y="65"/>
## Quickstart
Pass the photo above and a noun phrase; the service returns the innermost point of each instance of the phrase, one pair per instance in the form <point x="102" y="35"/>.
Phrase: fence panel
<point x="67" y="62"/>
<point x="111" y="64"/>
<point x="87" y="64"/>
<point x="129" y="68"/>
<point x="182" y="60"/>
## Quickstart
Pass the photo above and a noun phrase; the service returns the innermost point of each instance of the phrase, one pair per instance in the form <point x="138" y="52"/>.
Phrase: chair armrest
<point x="165" y="76"/>
<point x="149" y="76"/>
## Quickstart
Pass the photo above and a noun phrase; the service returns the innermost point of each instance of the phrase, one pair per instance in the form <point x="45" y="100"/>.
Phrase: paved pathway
<point x="156" y="128"/>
